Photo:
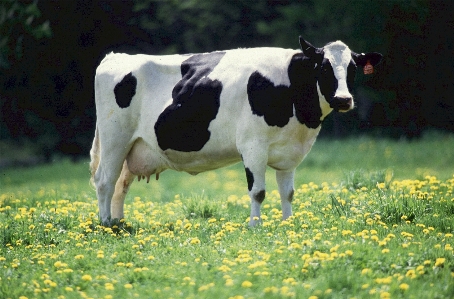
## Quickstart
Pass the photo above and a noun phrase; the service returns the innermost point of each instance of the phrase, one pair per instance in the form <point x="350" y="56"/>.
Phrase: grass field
<point x="372" y="219"/>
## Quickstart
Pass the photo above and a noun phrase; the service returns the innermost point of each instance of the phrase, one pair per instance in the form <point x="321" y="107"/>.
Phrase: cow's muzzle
<point x="342" y="104"/>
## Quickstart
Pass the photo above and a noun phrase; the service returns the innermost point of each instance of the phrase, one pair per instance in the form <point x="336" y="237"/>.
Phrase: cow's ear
<point x="308" y="49"/>
<point x="362" y="59"/>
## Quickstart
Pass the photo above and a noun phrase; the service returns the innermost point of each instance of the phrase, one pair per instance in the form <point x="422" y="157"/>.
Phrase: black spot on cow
<point x="183" y="125"/>
<point x="327" y="81"/>
<point x="276" y="103"/>
<point x="303" y="87"/>
<point x="125" y="90"/>
<point x="272" y="102"/>
<point x="260" y="196"/>
<point x="249" y="179"/>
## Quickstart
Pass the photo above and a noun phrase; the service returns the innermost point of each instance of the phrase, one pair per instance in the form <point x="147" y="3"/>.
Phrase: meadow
<point x="373" y="218"/>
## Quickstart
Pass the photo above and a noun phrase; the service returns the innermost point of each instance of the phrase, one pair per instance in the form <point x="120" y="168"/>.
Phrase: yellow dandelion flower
<point x="404" y="286"/>
<point x="109" y="286"/>
<point x="246" y="284"/>
<point x="411" y="273"/>
<point x="272" y="290"/>
<point x="128" y="286"/>
<point x="86" y="277"/>
<point x="439" y="262"/>
<point x="229" y="283"/>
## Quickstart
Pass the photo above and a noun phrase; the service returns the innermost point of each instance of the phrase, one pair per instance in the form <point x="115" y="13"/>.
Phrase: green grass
<point x="373" y="218"/>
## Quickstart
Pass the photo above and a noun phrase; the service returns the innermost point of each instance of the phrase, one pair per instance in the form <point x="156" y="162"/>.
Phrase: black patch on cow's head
<point x="326" y="80"/>
<point x="249" y="179"/>
<point x="183" y="125"/>
<point x="276" y="103"/>
<point x="303" y="85"/>
<point x="125" y="90"/>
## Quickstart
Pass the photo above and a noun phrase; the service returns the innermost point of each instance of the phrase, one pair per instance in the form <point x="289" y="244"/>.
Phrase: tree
<point x="18" y="21"/>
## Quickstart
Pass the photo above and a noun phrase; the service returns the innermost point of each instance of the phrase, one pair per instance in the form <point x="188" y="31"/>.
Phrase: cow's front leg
<point x="255" y="175"/>
<point x="285" y="184"/>
<point x="121" y="189"/>
<point x="105" y="180"/>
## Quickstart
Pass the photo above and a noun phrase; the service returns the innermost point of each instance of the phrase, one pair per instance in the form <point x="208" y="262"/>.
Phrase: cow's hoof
<point x="255" y="221"/>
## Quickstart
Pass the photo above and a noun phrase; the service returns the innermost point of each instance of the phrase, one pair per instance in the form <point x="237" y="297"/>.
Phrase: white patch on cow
<point x="339" y="55"/>
<point x="324" y="105"/>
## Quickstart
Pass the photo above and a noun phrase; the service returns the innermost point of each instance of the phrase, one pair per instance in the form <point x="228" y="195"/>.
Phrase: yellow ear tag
<point x="368" y="68"/>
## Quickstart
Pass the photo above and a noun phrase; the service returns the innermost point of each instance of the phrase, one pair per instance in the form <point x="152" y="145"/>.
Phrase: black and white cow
<point x="200" y="112"/>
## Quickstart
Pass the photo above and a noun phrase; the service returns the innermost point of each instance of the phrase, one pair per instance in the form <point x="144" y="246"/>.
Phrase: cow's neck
<point x="324" y="105"/>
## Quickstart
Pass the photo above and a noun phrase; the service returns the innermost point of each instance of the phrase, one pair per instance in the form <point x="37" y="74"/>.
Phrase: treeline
<point x="49" y="51"/>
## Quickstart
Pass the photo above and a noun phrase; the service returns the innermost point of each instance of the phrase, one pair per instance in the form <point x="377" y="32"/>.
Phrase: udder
<point x="142" y="161"/>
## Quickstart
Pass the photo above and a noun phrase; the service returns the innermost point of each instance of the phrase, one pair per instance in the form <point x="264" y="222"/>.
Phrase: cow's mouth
<point x="342" y="104"/>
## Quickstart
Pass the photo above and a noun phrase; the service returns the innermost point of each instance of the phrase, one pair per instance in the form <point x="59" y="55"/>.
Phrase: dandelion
<point x="206" y="287"/>
<point x="385" y="295"/>
<point x="59" y="264"/>
<point x="229" y="282"/>
<point x="128" y="286"/>
<point x="272" y="290"/>
<point x="109" y="286"/>
<point x="86" y="277"/>
<point x="411" y="274"/>
<point x="246" y="284"/>
<point x="404" y="286"/>
<point x="439" y="262"/>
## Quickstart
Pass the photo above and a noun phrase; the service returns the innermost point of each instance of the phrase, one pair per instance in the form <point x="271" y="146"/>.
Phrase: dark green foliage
<point x="18" y="24"/>
<point x="49" y="54"/>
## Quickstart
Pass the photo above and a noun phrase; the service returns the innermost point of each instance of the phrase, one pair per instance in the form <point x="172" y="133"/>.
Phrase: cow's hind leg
<point x="255" y="175"/>
<point x="121" y="189"/>
<point x="285" y="184"/>
<point x="105" y="179"/>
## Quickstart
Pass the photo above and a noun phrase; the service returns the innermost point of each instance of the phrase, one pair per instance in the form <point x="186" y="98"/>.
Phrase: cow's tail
<point x="94" y="155"/>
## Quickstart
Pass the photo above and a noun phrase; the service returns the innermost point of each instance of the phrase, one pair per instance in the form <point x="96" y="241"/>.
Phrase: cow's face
<point x="335" y="67"/>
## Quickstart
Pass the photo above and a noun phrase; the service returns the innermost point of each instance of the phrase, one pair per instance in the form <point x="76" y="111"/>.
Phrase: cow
<point x="199" y="112"/>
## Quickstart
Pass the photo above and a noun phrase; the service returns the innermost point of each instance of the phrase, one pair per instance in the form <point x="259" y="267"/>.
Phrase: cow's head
<point x="335" y="65"/>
